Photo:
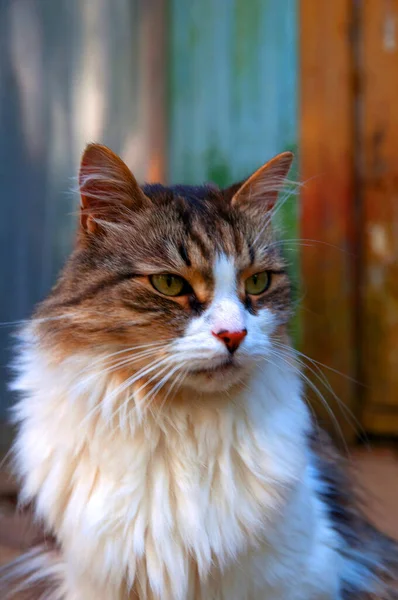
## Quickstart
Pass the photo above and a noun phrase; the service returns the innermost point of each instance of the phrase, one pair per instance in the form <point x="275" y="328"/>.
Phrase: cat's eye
<point x="170" y="285"/>
<point x="258" y="283"/>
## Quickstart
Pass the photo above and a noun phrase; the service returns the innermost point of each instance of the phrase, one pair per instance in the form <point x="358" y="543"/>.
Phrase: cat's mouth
<point x="214" y="376"/>
<point x="218" y="369"/>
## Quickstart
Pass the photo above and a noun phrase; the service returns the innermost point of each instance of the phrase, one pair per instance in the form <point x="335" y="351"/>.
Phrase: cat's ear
<point x="259" y="192"/>
<point x="108" y="189"/>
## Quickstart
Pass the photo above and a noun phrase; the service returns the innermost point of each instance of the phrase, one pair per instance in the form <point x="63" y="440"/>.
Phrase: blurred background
<point x="200" y="91"/>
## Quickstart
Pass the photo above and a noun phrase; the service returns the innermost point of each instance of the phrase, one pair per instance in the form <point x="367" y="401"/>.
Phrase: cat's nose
<point x="232" y="339"/>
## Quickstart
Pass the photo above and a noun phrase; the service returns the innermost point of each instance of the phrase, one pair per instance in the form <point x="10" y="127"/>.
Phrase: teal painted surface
<point x="233" y="86"/>
<point x="233" y="92"/>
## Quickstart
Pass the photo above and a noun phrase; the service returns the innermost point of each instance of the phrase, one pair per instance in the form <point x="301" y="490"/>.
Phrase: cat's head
<point x="175" y="285"/>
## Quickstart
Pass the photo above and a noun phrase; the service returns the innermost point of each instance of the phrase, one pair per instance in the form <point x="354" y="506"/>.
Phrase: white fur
<point x="211" y="499"/>
<point x="225" y="313"/>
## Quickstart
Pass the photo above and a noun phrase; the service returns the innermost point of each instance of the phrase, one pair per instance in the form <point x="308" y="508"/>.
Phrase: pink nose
<point x="232" y="339"/>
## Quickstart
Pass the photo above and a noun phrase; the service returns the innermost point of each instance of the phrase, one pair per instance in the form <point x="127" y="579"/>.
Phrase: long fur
<point x="38" y="574"/>
<point x="164" y="468"/>
<point x="209" y="500"/>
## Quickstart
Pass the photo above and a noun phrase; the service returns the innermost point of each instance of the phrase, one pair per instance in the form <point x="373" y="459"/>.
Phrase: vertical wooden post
<point x="379" y="182"/>
<point x="326" y="144"/>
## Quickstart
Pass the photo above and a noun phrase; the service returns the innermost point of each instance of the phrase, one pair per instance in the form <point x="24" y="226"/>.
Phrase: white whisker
<point x="321" y="377"/>
<point x="315" y="389"/>
<point x="129" y="361"/>
<point x="123" y="386"/>
<point x="154" y="366"/>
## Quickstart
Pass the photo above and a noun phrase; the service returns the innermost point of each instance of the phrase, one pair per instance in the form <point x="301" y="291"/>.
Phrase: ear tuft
<point x="108" y="189"/>
<point x="260" y="191"/>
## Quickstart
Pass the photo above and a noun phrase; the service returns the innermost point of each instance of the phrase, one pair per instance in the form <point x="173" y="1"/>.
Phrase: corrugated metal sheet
<point x="70" y="72"/>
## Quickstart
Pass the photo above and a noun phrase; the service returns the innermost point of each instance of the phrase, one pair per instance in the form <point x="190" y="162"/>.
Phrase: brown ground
<point x="377" y="471"/>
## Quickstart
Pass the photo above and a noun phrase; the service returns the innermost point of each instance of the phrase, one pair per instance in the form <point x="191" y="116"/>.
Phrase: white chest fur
<point x="204" y="501"/>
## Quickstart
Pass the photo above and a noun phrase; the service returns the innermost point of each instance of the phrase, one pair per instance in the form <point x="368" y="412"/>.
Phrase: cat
<point x="163" y="435"/>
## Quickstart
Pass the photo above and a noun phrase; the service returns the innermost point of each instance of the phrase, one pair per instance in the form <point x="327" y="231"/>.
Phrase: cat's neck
<point x="266" y="395"/>
<point x="205" y="478"/>
<point x="87" y="406"/>
<point x="269" y="397"/>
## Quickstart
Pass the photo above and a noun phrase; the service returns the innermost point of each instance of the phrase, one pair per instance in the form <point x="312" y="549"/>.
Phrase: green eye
<point x="169" y="285"/>
<point x="258" y="283"/>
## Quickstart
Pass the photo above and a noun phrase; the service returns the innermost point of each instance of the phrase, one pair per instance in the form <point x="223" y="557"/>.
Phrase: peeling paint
<point x="390" y="32"/>
<point x="379" y="242"/>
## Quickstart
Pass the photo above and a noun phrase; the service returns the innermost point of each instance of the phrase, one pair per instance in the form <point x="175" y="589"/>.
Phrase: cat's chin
<point x="216" y="379"/>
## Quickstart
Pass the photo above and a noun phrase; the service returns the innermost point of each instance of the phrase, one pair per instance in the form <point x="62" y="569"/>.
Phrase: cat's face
<point x="177" y="286"/>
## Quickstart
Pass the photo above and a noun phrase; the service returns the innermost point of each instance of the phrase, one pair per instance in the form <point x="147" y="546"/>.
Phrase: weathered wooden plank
<point x="379" y="179"/>
<point x="380" y="420"/>
<point x="326" y="142"/>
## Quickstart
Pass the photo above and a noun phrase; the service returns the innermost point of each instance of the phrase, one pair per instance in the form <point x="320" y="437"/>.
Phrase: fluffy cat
<point x="163" y="437"/>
